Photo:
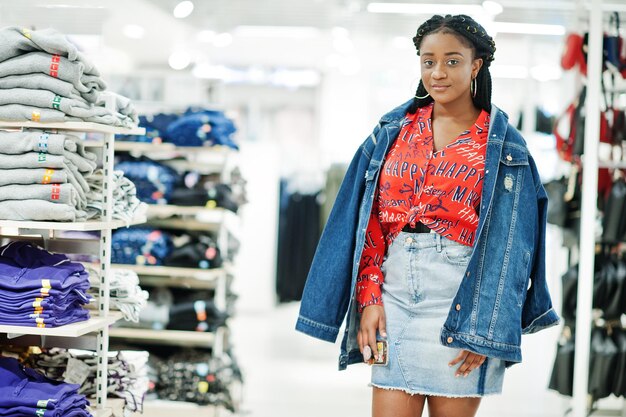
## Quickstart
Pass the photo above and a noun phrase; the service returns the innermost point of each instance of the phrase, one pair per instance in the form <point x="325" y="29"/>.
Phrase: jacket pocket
<point x="514" y="156"/>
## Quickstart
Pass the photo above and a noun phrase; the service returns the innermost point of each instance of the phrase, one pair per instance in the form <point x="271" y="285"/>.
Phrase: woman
<point x="436" y="242"/>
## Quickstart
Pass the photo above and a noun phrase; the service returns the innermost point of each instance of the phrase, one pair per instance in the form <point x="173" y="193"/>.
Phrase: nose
<point x="438" y="72"/>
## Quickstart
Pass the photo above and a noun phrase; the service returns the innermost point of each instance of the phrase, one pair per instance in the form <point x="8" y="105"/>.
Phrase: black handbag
<point x="562" y="378"/>
<point x="613" y="223"/>
<point x="619" y="383"/>
<point x="602" y="363"/>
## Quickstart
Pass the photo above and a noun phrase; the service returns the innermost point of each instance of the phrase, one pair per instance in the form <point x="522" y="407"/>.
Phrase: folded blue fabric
<point x="154" y="181"/>
<point x="141" y="246"/>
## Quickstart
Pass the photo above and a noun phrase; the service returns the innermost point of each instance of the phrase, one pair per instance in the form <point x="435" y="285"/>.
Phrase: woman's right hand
<point x="372" y="320"/>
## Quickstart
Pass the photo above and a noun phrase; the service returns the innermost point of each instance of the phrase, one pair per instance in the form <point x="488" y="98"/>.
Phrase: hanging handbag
<point x="604" y="355"/>
<point x="613" y="223"/>
<point x="562" y="377"/>
<point x="573" y="53"/>
<point x="619" y="382"/>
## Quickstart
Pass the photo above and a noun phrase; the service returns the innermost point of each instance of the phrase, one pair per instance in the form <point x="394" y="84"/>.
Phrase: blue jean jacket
<point x="504" y="293"/>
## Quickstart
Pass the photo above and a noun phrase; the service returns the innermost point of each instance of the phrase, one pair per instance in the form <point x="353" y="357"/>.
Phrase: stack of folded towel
<point x="44" y="78"/>
<point x="43" y="176"/>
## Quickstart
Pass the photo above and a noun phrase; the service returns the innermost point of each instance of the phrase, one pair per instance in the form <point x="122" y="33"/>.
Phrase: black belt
<point x="419" y="228"/>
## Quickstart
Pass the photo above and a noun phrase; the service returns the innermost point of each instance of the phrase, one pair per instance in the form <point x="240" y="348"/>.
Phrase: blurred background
<point x="305" y="82"/>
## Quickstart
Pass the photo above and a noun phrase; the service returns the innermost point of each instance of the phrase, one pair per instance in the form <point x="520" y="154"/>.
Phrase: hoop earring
<point x="473" y="87"/>
<point x="423" y="97"/>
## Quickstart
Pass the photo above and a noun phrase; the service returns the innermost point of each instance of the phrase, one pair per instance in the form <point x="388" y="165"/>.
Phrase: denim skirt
<point x="423" y="272"/>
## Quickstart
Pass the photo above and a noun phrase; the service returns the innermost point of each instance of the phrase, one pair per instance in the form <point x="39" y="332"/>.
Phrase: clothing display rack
<point x="46" y="233"/>
<point x="223" y="226"/>
<point x="584" y="319"/>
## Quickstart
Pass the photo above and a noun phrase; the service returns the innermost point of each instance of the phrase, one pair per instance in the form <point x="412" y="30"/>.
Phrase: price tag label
<point x="77" y="371"/>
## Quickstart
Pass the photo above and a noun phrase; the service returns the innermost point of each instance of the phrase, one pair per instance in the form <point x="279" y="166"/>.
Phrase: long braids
<point x="477" y="38"/>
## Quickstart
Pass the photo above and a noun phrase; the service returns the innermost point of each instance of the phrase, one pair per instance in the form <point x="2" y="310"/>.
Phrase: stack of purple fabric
<point x="25" y="392"/>
<point x="39" y="288"/>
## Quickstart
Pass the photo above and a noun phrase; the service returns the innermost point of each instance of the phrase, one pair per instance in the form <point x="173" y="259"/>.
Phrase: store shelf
<point x="200" y="218"/>
<point x="104" y="412"/>
<point x="163" y="408"/>
<point x="89" y="225"/>
<point x="143" y="147"/>
<point x="164" y="337"/>
<point x="75" y="126"/>
<point x="168" y="275"/>
<point x="70" y="330"/>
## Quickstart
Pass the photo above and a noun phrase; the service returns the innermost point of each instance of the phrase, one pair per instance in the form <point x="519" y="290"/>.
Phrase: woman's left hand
<point x="470" y="361"/>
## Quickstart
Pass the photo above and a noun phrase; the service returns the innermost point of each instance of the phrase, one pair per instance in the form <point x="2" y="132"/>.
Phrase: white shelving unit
<point x="221" y="223"/>
<point x="102" y="319"/>
<point x="581" y="401"/>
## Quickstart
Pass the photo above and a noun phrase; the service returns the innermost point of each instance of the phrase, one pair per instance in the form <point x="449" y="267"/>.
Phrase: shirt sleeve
<point x="370" y="278"/>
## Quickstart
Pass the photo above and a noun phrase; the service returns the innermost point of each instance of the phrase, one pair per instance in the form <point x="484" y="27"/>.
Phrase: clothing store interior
<point x="174" y="163"/>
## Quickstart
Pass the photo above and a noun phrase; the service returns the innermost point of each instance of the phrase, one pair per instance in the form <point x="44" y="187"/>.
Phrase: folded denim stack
<point x="127" y="373"/>
<point x="41" y="289"/>
<point x="154" y="181"/>
<point x="126" y="294"/>
<point x="195" y="127"/>
<point x="43" y="176"/>
<point x="44" y="78"/>
<point x="26" y="392"/>
<point x="126" y="205"/>
<point x="140" y="246"/>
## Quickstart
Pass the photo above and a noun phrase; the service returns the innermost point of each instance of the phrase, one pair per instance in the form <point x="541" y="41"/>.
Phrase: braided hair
<point x="473" y="35"/>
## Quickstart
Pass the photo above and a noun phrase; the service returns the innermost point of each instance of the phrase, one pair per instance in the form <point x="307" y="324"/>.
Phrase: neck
<point x="459" y="109"/>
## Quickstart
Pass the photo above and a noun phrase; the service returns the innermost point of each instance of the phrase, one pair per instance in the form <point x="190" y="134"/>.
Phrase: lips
<point x="439" y="87"/>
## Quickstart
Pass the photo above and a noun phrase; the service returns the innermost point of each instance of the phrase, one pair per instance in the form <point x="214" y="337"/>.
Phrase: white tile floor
<point x="289" y="374"/>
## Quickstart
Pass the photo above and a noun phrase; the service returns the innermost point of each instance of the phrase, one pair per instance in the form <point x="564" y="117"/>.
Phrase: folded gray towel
<point x="33" y="176"/>
<point x="20" y="113"/>
<point x="39" y="210"/>
<point x="36" y="141"/>
<point x="32" y="160"/>
<point x="123" y="105"/>
<point x="55" y="66"/>
<point x="46" y="82"/>
<point x="54" y="193"/>
<point x="16" y="41"/>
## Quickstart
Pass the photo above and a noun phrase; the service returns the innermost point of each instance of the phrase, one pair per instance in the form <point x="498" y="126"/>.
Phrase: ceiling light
<point x="528" y="28"/>
<point x="134" y="31"/>
<point x="492" y="7"/>
<point x="183" y="9"/>
<point x="293" y="32"/>
<point x="223" y="40"/>
<point x="415" y="8"/>
<point x="205" y="36"/>
<point x="179" y="60"/>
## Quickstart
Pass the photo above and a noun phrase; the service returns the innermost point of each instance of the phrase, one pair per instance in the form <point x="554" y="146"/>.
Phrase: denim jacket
<point x="504" y="293"/>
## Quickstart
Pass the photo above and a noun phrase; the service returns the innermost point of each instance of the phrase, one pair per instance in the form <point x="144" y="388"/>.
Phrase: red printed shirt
<point x="439" y="189"/>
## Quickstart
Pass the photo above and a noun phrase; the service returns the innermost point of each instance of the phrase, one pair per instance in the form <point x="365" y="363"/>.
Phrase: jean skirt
<point x="423" y="272"/>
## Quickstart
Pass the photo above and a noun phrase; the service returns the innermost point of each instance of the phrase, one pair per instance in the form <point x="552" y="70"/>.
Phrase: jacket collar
<point x="499" y="119"/>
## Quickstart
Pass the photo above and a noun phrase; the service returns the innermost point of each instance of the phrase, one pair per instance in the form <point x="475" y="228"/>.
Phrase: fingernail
<point x="384" y="334"/>
<point x="466" y="374"/>
<point x="367" y="353"/>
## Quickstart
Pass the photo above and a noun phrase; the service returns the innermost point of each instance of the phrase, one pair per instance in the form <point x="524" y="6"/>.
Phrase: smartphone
<point x="381" y="345"/>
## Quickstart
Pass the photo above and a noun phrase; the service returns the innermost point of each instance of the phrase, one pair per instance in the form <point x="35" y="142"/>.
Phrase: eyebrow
<point x="447" y="53"/>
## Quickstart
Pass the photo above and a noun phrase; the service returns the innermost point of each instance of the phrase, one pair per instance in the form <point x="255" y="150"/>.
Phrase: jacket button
<point x="409" y="240"/>
<point x="509" y="158"/>
<point x="450" y="339"/>
<point x="458" y="307"/>
<point x="467" y="274"/>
